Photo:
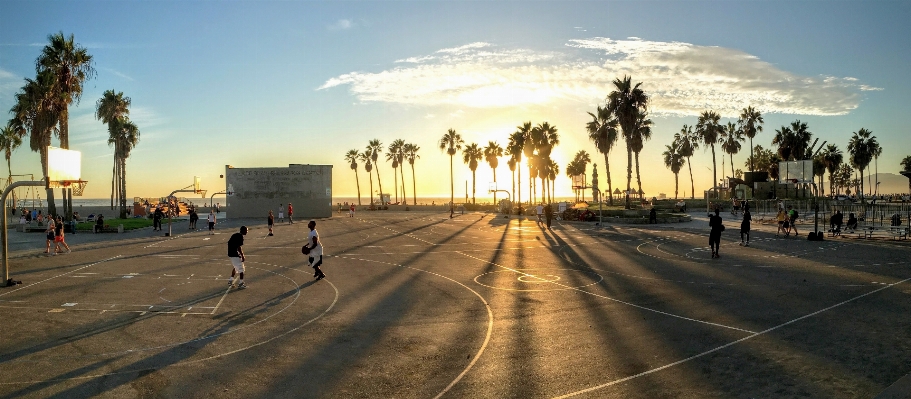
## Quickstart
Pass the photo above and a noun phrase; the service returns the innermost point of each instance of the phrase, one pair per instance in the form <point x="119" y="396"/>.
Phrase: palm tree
<point x="368" y="166"/>
<point x="36" y="113"/>
<point x="832" y="158"/>
<point x="410" y="152"/>
<point x="394" y="155"/>
<point x="71" y="66"/>
<point x="801" y="140"/>
<point x="553" y="169"/>
<point x="641" y="134"/>
<point x="861" y="154"/>
<point x="602" y="131"/>
<point x="351" y="157"/>
<point x="674" y="161"/>
<point x="515" y="149"/>
<point x="627" y="102"/>
<point x="528" y="149"/>
<point x="546" y="138"/>
<point x="732" y="137"/>
<point x="451" y="142"/>
<point x="471" y="155"/>
<point x="819" y="170"/>
<point x="710" y="130"/>
<point x="574" y="168"/>
<point x="124" y="135"/>
<point x="687" y="144"/>
<point x="876" y="150"/>
<point x="9" y="142"/>
<point x="111" y="107"/>
<point x="750" y="123"/>
<point x="511" y="163"/>
<point x="906" y="164"/>
<point x="375" y="147"/>
<point x="578" y="166"/>
<point x="492" y="154"/>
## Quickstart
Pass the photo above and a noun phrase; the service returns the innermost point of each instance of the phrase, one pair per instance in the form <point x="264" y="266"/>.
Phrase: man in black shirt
<point x="236" y="254"/>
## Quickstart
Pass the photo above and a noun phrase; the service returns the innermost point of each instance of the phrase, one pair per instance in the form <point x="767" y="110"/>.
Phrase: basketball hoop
<point x="78" y="186"/>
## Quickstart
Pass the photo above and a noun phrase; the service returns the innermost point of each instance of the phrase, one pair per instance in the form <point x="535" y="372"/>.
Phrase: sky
<point x="272" y="83"/>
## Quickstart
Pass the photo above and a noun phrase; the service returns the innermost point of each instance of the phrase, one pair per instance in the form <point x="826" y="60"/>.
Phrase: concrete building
<point x="252" y="192"/>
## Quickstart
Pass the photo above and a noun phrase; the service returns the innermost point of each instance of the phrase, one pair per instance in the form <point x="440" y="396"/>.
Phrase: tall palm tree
<point x="674" y="161"/>
<point x="451" y="142"/>
<point x="516" y="148"/>
<point x="366" y="158"/>
<point x="410" y="152"/>
<point x="375" y="147"/>
<point x="710" y="130"/>
<point x="36" y="113"/>
<point x="627" y="102"/>
<point x="784" y="139"/>
<point x="578" y="166"/>
<point x="492" y="154"/>
<point x="553" y="169"/>
<point x="10" y="140"/>
<point x="124" y="136"/>
<point x="574" y="168"/>
<point x="111" y="107"/>
<point x="731" y="139"/>
<point x="471" y="155"/>
<point x="71" y="66"/>
<point x="394" y="155"/>
<point x="832" y="158"/>
<point x="511" y="163"/>
<point x="876" y="150"/>
<point x="819" y="170"/>
<point x="687" y="144"/>
<point x="906" y="168"/>
<point x="750" y="123"/>
<point x="546" y="138"/>
<point x="351" y="157"/>
<point x="802" y="138"/>
<point x="641" y="134"/>
<point x="602" y="131"/>
<point x="859" y="147"/>
<point x="528" y="150"/>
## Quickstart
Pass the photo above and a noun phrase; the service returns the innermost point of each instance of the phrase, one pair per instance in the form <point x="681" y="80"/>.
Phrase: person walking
<point x="193" y="218"/>
<point x="211" y="220"/>
<point x="351" y="209"/>
<point x="781" y="221"/>
<point x="50" y="232"/>
<point x="539" y="212"/>
<point x="315" y="251"/>
<point x="156" y="218"/>
<point x="236" y="254"/>
<point x="271" y="222"/>
<point x="652" y="216"/>
<point x="290" y="214"/>
<point x="548" y="214"/>
<point x="792" y="217"/>
<point x="281" y="213"/>
<point x="715" y="234"/>
<point x="58" y="237"/>
<point x="745" y="229"/>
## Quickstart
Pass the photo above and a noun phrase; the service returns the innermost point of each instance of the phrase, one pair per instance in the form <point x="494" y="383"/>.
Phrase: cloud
<point x="342" y="24"/>
<point x="681" y="78"/>
<point x="118" y="74"/>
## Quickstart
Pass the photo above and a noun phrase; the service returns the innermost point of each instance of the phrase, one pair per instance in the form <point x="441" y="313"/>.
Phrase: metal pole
<point x="3" y="233"/>
<point x="170" y="211"/>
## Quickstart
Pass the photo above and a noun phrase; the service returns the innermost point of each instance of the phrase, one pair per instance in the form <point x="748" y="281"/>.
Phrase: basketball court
<point x="420" y="305"/>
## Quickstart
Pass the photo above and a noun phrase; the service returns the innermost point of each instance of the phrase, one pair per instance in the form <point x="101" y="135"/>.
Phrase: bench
<point x="32" y="228"/>
<point x="896" y="232"/>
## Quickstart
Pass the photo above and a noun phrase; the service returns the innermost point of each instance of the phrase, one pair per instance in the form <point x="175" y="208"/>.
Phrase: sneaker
<point x="747" y="244"/>
<point x="54" y="253"/>
<point x="230" y="283"/>
<point x="69" y="250"/>
<point x="741" y="243"/>
<point x="321" y="276"/>
<point x="241" y="286"/>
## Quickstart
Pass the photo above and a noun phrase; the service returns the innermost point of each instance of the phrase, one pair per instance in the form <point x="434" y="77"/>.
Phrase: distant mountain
<point x="889" y="183"/>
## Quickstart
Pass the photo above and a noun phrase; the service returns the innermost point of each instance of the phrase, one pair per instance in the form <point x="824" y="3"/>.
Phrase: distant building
<point x="252" y="192"/>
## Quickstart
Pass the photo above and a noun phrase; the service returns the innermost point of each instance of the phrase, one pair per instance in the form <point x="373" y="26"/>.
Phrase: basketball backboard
<point x="796" y="172"/>
<point x="63" y="165"/>
<point x="196" y="183"/>
<point x="579" y="181"/>
<point x="491" y="187"/>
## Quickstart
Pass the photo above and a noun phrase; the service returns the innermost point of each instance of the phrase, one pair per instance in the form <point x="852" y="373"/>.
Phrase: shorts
<point x="281" y="215"/>
<point x="270" y="225"/>
<point x="50" y="235"/>
<point x="318" y="261"/>
<point x="58" y="239"/>
<point x="238" y="264"/>
<point x="211" y="225"/>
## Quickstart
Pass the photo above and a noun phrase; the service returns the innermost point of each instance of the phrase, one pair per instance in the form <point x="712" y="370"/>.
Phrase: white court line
<point x="614" y="299"/>
<point x="754" y="335"/>
<point x="60" y="275"/>
<point x="221" y="300"/>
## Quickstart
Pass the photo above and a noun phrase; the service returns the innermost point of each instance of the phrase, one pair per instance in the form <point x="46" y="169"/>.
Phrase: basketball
<point x="305" y="250"/>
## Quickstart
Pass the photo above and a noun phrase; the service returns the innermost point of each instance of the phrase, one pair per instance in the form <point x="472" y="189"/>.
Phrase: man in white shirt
<point x="281" y="213"/>
<point x="316" y="251"/>
<point x="540" y="212"/>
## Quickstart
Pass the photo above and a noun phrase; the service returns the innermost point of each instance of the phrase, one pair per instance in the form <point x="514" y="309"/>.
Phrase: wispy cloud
<point x="682" y="79"/>
<point x="118" y="74"/>
<point x="342" y="24"/>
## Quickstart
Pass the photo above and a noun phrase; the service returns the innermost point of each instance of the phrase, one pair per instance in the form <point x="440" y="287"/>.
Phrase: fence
<point x="872" y="215"/>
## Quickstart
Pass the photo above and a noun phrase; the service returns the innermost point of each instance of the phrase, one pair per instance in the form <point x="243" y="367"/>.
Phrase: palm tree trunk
<point x="113" y="179"/>
<point x="473" y="186"/>
<point x="751" y="154"/>
<point x="692" y="185"/>
<point x="714" y="173"/>
<point x="358" y="181"/>
<point x="861" y="195"/>
<point x="610" y="188"/>
<point x="414" y="186"/>
<point x="519" y="180"/>
<point x="395" y="177"/>
<point x="51" y="209"/>
<point x="123" y="188"/>
<point x="638" y="177"/>
<point x="380" y="182"/>
<point x="629" y="170"/>
<point x="732" y="165"/>
<point x="371" y="189"/>
<point x="495" y="191"/>
<point x="451" y="187"/>
<point x="402" y="175"/>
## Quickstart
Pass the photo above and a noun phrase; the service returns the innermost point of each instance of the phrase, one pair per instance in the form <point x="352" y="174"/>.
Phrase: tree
<point x="10" y="140"/>
<point x="876" y="150"/>
<point x="451" y="142"/>
<point x="124" y="135"/>
<point x="731" y="138"/>
<point x="471" y="155"/>
<point x="351" y="157"/>
<point x="110" y="108"/>
<point x="71" y="66"/>
<point x="492" y="154"/>
<point x="375" y="147"/>
<point x="395" y="156"/>
<point x="602" y="131"/>
<point x="832" y="159"/>
<point x="511" y="163"/>
<point x="793" y="141"/>
<point x="641" y="134"/>
<point x="578" y="166"/>
<point x="515" y="149"/>
<point x="819" y="170"/>
<point x="528" y="149"/>
<point x="674" y="161"/>
<point x="553" y="169"/>
<point x="410" y="152"/>
<point x="860" y="147"/>
<point x="546" y="138"/>
<point x="709" y="130"/>
<point x="626" y="103"/>
<point x="368" y="166"/>
<point x="35" y="113"/>
<point x="750" y="123"/>
<point x="687" y="144"/>
<point x="906" y="164"/>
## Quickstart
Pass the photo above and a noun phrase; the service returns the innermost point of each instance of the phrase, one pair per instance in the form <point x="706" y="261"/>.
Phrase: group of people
<point x="787" y="220"/>
<point x="313" y="249"/>
<point x="54" y="233"/>
<point x="836" y="221"/>
<point x="717" y="226"/>
<point x="545" y="213"/>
